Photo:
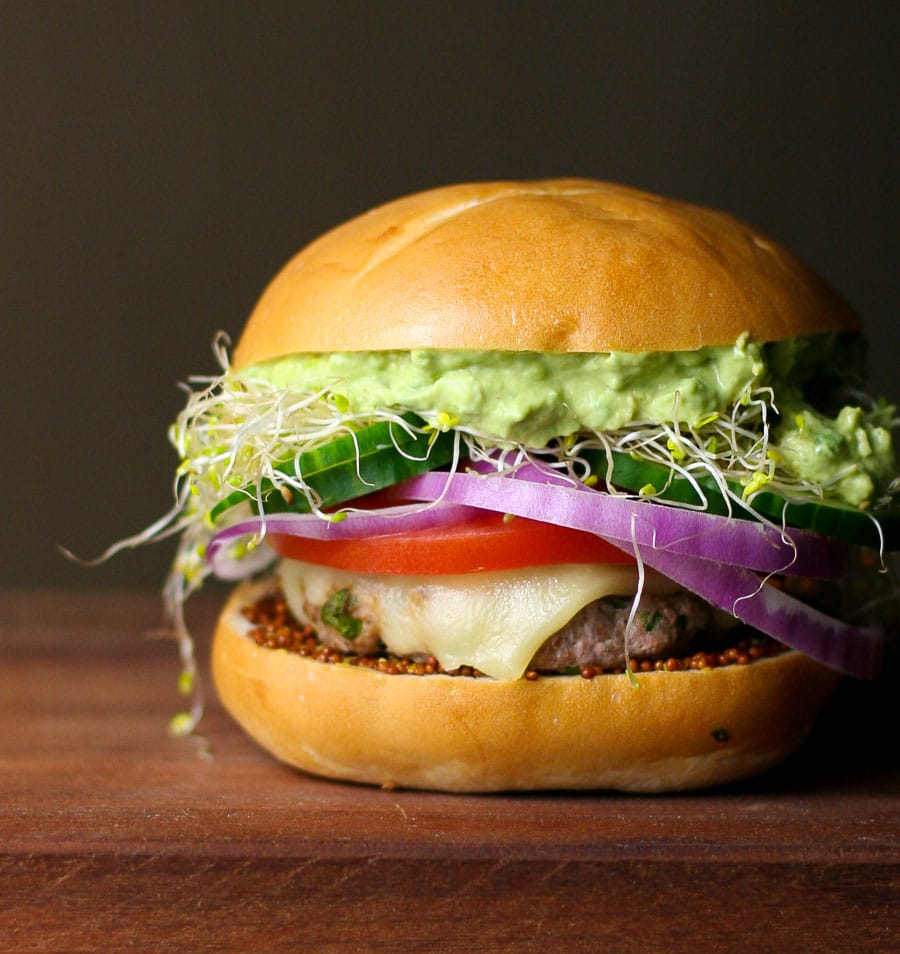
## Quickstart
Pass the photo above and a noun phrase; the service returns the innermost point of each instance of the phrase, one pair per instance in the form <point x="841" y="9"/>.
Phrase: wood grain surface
<point x="115" y="836"/>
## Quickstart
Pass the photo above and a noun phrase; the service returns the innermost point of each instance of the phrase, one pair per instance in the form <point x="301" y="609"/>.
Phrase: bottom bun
<point x="672" y="731"/>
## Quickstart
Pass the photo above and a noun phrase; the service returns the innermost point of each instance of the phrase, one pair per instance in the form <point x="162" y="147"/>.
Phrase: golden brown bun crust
<point x="558" y="265"/>
<point x="478" y="735"/>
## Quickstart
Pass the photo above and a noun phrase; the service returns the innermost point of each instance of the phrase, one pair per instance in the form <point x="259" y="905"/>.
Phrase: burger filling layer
<point x="501" y="623"/>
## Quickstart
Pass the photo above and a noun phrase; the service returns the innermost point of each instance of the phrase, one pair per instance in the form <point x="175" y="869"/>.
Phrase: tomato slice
<point x="488" y="542"/>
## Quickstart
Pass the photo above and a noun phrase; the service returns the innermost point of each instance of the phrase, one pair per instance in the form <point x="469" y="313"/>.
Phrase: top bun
<point x="556" y="265"/>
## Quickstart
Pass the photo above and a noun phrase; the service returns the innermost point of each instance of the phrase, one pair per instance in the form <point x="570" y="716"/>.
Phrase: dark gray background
<point x="159" y="162"/>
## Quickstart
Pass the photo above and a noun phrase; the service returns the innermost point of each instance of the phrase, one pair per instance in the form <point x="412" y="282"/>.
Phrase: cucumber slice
<point x="351" y="466"/>
<point x="830" y="519"/>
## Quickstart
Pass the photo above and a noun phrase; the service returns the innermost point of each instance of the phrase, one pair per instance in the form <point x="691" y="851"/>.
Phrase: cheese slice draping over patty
<point x="494" y="621"/>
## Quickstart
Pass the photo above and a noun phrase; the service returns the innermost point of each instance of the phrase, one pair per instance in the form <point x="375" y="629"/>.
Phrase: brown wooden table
<point x="115" y="836"/>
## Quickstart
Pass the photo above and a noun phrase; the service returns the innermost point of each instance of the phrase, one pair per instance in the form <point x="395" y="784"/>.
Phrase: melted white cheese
<point x="493" y="621"/>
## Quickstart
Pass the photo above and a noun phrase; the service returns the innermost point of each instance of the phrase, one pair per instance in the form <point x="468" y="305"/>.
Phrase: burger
<point x="538" y="485"/>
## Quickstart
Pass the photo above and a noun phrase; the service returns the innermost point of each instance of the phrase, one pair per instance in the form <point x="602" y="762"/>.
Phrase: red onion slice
<point x="404" y="518"/>
<point x="854" y="650"/>
<point x="626" y="521"/>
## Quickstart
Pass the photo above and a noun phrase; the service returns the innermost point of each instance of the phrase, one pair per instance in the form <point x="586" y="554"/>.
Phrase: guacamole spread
<point x="530" y="398"/>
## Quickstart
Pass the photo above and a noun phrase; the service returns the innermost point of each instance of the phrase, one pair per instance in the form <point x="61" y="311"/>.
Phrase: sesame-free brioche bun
<point x="556" y="265"/>
<point x="675" y="731"/>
